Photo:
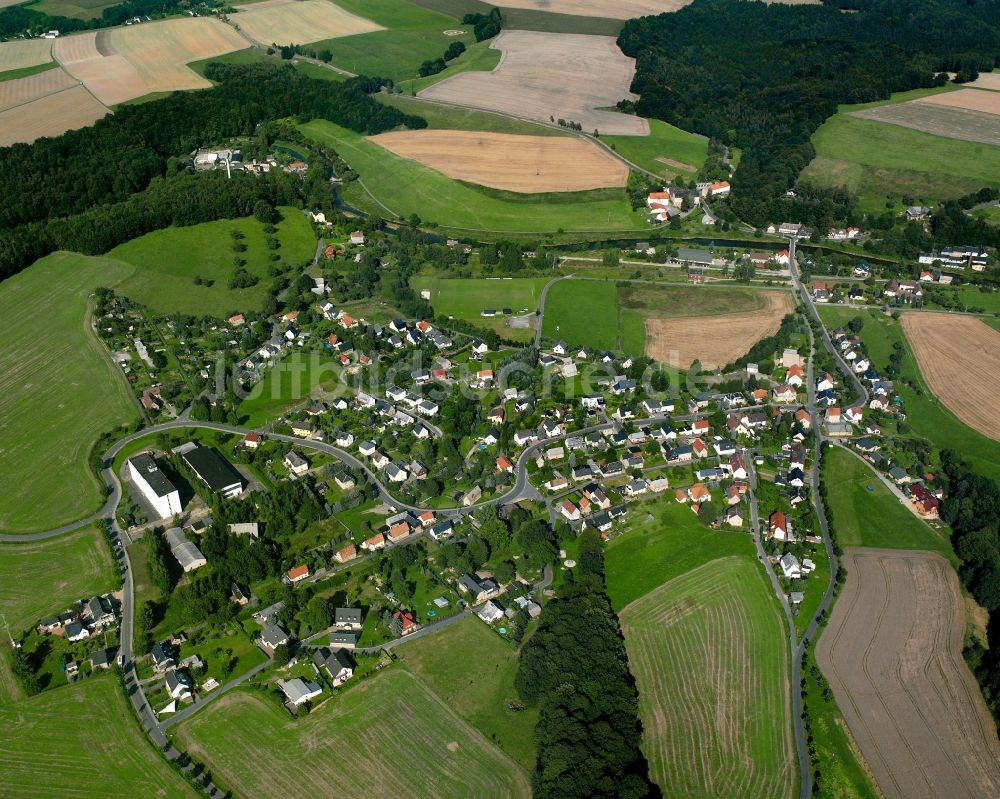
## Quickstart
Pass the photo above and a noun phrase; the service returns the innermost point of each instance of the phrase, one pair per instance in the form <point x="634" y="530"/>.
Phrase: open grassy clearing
<point x="547" y="77"/>
<point x="666" y="545"/>
<point x="924" y="412"/>
<point x="476" y="688"/>
<point x="295" y="378"/>
<point x="467" y="298"/>
<point x="289" y="22"/>
<point x="319" y="73"/>
<point x="583" y="313"/>
<point x="24" y="72"/>
<point x="58" y="391"/>
<point x="938" y="118"/>
<point x="405" y="187"/>
<point x="82" y="741"/>
<point x="525" y="164"/>
<point x="413" y="35"/>
<point x="866" y="513"/>
<point x="989" y="213"/>
<point x="478" y="57"/>
<point x="44" y="577"/>
<point x="249" y="55"/>
<point x="959" y="358"/>
<point x="667" y="151"/>
<point x="874" y="159"/>
<point x="843" y="771"/>
<point x="164" y="278"/>
<point x="892" y="652"/>
<point x="709" y="656"/>
<point x="452" y="117"/>
<point x="387" y="736"/>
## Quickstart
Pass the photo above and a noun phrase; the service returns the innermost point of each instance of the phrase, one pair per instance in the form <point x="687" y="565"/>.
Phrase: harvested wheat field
<point x="986" y="80"/>
<point x="714" y="340"/>
<point x="542" y="76"/>
<point x="710" y="660"/>
<point x="952" y="123"/>
<point x="51" y="115"/>
<point x="295" y="22"/>
<point x="959" y="357"/>
<point x="892" y="652"/>
<point x="967" y="99"/>
<point x="24" y="53"/>
<point x="507" y="161"/>
<point x="25" y="90"/>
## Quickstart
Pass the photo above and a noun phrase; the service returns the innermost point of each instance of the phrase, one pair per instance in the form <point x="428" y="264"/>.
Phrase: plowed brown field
<point x="967" y="99"/>
<point x="892" y="654"/>
<point x="616" y="9"/>
<point x="959" y="357"/>
<point x="50" y="116"/>
<point x="714" y="340"/>
<point x="511" y="162"/>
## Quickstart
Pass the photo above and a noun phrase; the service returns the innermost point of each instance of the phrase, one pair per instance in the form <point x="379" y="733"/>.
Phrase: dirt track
<point x="714" y="340"/>
<point x="959" y="357"/>
<point x="892" y="654"/>
<point x="511" y="162"/>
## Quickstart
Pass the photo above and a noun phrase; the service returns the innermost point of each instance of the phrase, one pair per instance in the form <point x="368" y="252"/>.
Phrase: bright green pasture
<point x="667" y="142"/>
<point x="76" y="9"/>
<point x="59" y="391"/>
<point x="582" y="312"/>
<point x="24" y="72"/>
<point x="168" y="261"/>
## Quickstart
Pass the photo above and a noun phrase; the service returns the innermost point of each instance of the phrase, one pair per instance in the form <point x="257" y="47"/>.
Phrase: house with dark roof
<point x="348" y="619"/>
<point x="214" y="471"/>
<point x="336" y="662"/>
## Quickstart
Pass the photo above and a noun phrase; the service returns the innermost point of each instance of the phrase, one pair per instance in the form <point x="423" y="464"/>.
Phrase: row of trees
<point x="765" y="77"/>
<point x="575" y="669"/>
<point x="455" y="49"/>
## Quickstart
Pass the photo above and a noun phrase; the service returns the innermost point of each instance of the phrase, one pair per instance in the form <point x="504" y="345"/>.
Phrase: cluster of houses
<point x="79" y="623"/>
<point x="231" y="160"/>
<point x="400" y="526"/>
<point x="958" y="257"/>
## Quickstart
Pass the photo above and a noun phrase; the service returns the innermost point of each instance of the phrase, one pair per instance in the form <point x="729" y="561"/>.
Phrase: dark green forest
<point x="765" y="77"/>
<point x="93" y="188"/>
<point x="575" y="669"/>
<point x="15" y="20"/>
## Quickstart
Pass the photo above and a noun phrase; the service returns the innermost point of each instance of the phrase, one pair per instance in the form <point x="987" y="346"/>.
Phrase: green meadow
<point x="290" y="382"/>
<point x="59" y="391"/>
<point x="169" y="260"/>
<point x="688" y="151"/>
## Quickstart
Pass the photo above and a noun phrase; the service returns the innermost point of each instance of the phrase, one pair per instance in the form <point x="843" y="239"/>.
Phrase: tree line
<point x="575" y="669"/>
<point x="765" y="77"/>
<point x="18" y="20"/>
<point x="94" y="188"/>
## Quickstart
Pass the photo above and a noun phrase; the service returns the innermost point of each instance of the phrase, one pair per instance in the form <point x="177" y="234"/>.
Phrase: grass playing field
<point x="708" y="652"/>
<point x="867" y="514"/>
<point x="924" y="413"/>
<point x="387" y="736"/>
<point x="478" y="688"/>
<point x="583" y="313"/>
<point x="58" y="391"/>
<point x="44" y="577"/>
<point x="82" y="741"/>
<point x="874" y="159"/>
<point x="403" y="187"/>
<point x="164" y="278"/>
<point x="669" y="544"/>
<point x="450" y="117"/>
<point x="667" y="151"/>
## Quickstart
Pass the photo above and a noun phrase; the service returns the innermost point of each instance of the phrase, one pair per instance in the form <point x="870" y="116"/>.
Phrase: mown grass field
<point x="398" y="187"/>
<point x="666" y="142"/>
<point x="666" y="546"/>
<point x="165" y="273"/>
<point x="583" y="313"/>
<point x="387" y="736"/>
<point x="82" y="741"/>
<point x="413" y="35"/>
<point x="468" y="298"/>
<point x="476" y="688"/>
<point x="874" y="159"/>
<point x="867" y="514"/>
<point x="989" y="213"/>
<point x="450" y="117"/>
<point x="924" y="413"/>
<point x="43" y="577"/>
<point x="58" y="391"/>
<point x="478" y="56"/>
<point x="288" y="383"/>
<point x="709" y="655"/>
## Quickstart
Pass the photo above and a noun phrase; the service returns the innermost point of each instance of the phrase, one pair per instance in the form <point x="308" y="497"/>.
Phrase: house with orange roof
<point x="297" y="574"/>
<point x="349" y="552"/>
<point x="699" y="448"/>
<point x="399" y="531"/>
<point x="377" y="541"/>
<point x="795" y="376"/>
<point x="719" y="188"/>
<point x="504" y="464"/>
<point x="699" y="493"/>
<point x="777" y="525"/>
<point x="408" y="621"/>
<point x="236" y="319"/>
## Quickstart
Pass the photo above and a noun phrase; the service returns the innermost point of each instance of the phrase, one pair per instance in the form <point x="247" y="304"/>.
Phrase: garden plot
<point x="551" y="76"/>
<point x="511" y="162"/>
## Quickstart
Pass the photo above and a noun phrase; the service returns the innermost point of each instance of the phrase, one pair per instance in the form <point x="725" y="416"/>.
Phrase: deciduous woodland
<point x="764" y="77"/>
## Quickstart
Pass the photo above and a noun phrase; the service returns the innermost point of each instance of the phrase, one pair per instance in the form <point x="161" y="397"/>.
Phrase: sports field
<point x="893" y="655"/>
<point x="708" y="652"/>
<point x="874" y="159"/>
<point x="927" y="415"/>
<point x="478" y="688"/>
<point x="551" y="76"/>
<point x="294" y="22"/>
<point x="582" y="313"/>
<point x="529" y="164"/>
<point x="58" y="391"/>
<point x="959" y="357"/>
<point x="164" y="278"/>
<point x="398" y="187"/>
<point x="80" y="741"/>
<point x="467" y="298"/>
<point x="43" y="577"/>
<point x="866" y="513"/>
<point x="387" y="736"/>
<point x="667" y="151"/>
